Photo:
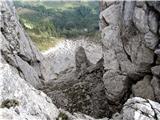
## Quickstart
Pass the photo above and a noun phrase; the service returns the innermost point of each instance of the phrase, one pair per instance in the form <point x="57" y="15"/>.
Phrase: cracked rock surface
<point x="141" y="109"/>
<point x="17" y="49"/>
<point x="130" y="50"/>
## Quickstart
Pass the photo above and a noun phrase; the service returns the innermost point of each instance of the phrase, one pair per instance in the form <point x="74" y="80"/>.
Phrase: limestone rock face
<point x="31" y="103"/>
<point x="19" y="59"/>
<point x="131" y="50"/>
<point x="17" y="48"/>
<point x="141" y="109"/>
<point x="143" y="88"/>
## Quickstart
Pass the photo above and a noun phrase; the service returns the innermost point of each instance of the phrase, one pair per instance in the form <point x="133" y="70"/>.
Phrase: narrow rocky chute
<point x="106" y="89"/>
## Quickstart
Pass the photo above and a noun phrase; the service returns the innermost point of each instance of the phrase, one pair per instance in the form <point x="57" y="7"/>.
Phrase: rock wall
<point x="130" y="33"/>
<point x="20" y="64"/>
<point x="20" y="101"/>
<point x="17" y="48"/>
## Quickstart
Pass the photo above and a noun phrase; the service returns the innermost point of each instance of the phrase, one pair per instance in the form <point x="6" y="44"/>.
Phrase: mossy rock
<point x="8" y="103"/>
<point x="62" y="116"/>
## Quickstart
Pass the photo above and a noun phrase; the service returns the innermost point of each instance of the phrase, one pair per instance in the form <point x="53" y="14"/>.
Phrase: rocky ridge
<point x="130" y="32"/>
<point x="130" y="65"/>
<point x="17" y="48"/>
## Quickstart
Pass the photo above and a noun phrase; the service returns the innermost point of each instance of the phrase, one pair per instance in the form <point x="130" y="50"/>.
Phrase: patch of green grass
<point x="8" y="103"/>
<point x="47" y="21"/>
<point x="44" y="42"/>
<point x="62" y="116"/>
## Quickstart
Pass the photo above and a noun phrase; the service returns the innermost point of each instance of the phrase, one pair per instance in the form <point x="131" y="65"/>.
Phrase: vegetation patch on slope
<point x="47" y="21"/>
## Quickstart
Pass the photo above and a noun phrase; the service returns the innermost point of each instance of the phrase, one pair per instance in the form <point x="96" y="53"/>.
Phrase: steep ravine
<point x="108" y="86"/>
<point x="130" y="41"/>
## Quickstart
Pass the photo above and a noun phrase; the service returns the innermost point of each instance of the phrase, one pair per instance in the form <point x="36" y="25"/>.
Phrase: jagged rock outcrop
<point x="140" y="109"/>
<point x="19" y="58"/>
<point x="143" y="88"/>
<point x="62" y="56"/>
<point x="130" y="37"/>
<point x="80" y="89"/>
<point x="17" y="49"/>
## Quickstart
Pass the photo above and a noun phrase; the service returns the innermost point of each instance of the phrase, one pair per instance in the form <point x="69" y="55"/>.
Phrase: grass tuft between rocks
<point x="8" y="103"/>
<point x="62" y="116"/>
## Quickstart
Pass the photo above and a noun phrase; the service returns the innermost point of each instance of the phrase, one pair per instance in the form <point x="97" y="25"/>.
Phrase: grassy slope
<point x="34" y="19"/>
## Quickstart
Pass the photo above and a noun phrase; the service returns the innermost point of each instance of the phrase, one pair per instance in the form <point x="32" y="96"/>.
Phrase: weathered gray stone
<point x="129" y="42"/>
<point x="143" y="88"/>
<point x="110" y="14"/>
<point x="153" y="22"/>
<point x="140" y="109"/>
<point x="81" y="60"/>
<point x="29" y="73"/>
<point x="156" y="70"/>
<point x="151" y="40"/>
<point x="17" y="48"/>
<point x="128" y="12"/>
<point x="32" y="104"/>
<point x="127" y="51"/>
<point x="155" y="4"/>
<point x="140" y="20"/>
<point x="156" y="87"/>
<point x="110" y="41"/>
<point x="115" y="85"/>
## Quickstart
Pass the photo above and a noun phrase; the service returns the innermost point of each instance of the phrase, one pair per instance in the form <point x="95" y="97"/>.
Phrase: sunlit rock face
<point x="17" y="48"/>
<point x="140" y="109"/>
<point x="29" y="103"/>
<point x="130" y="37"/>
<point x="19" y="58"/>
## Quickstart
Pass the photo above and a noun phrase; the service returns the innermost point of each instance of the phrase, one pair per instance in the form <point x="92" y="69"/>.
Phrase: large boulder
<point x="116" y="85"/>
<point x="144" y="88"/>
<point x="141" y="109"/>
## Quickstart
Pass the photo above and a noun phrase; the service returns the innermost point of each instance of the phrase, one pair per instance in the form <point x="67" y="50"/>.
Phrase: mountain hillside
<point x="47" y="22"/>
